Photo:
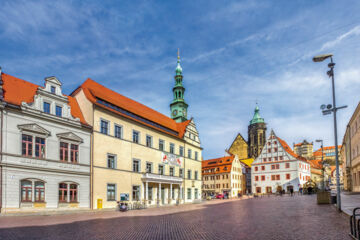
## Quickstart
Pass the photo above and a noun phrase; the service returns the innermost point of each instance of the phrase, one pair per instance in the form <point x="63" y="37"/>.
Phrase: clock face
<point x="174" y="113"/>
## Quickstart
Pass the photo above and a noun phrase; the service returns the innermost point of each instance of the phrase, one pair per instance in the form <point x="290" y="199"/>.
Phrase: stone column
<point x="146" y="193"/>
<point x="159" y="191"/>
<point x="181" y="193"/>
<point x="170" y="197"/>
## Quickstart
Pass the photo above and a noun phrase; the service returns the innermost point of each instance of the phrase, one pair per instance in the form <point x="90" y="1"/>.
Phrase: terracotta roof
<point x="327" y="148"/>
<point x="17" y="91"/>
<point x="224" y="164"/>
<point x="315" y="164"/>
<point x="94" y="91"/>
<point x="289" y="150"/>
<point x="298" y="144"/>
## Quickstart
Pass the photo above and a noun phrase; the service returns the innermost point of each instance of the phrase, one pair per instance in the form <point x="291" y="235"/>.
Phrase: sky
<point x="233" y="54"/>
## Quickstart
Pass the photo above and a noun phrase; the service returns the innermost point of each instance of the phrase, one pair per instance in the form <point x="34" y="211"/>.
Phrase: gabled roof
<point x="224" y="164"/>
<point x="247" y="161"/>
<point x="95" y="91"/>
<point x="17" y="91"/>
<point x="289" y="150"/>
<point x="238" y="135"/>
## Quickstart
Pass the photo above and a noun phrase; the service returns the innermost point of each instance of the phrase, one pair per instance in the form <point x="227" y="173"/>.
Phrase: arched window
<point x="26" y="191"/>
<point x="63" y="192"/>
<point x="73" y="192"/>
<point x="39" y="191"/>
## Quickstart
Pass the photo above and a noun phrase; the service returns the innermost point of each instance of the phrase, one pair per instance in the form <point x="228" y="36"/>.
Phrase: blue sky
<point x="234" y="53"/>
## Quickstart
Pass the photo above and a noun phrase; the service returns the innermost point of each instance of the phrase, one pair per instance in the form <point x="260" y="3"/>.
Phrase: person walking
<point x="291" y="191"/>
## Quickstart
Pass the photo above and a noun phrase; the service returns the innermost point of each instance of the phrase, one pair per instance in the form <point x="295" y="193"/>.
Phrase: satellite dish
<point x="322" y="107"/>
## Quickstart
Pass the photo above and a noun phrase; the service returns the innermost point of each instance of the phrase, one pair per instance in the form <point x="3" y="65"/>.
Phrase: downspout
<point x="1" y="137"/>
<point x="92" y="163"/>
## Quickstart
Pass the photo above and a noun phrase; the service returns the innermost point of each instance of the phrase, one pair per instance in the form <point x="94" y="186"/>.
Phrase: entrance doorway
<point x="268" y="190"/>
<point x="289" y="188"/>
<point x="258" y="189"/>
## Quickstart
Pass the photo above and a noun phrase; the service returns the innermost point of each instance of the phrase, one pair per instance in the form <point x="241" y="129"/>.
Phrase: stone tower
<point x="178" y="106"/>
<point x="256" y="134"/>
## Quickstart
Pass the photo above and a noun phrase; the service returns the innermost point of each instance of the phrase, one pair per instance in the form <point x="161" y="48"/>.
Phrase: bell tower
<point x="256" y="134"/>
<point x="178" y="106"/>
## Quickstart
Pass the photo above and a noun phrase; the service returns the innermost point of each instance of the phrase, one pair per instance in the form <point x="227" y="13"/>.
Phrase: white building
<point x="278" y="168"/>
<point x="45" y="150"/>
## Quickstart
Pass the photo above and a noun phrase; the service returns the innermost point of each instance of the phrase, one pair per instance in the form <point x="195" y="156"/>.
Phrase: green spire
<point x="257" y="118"/>
<point x="178" y="106"/>
<point x="178" y="69"/>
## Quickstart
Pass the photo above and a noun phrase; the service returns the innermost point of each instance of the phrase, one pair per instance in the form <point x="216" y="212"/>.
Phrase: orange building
<point x="222" y="175"/>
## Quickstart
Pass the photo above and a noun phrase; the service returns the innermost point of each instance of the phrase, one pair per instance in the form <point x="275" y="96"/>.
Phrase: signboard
<point x="171" y="159"/>
<point x="124" y="197"/>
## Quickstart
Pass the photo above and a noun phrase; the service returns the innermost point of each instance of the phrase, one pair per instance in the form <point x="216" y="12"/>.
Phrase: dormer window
<point x="46" y="107"/>
<point x="58" y="111"/>
<point x="53" y="89"/>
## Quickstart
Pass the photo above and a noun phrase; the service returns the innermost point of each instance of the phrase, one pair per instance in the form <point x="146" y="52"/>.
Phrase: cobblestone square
<point x="286" y="217"/>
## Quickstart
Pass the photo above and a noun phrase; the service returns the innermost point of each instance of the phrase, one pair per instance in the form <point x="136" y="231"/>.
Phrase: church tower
<point x="178" y="106"/>
<point x="256" y="134"/>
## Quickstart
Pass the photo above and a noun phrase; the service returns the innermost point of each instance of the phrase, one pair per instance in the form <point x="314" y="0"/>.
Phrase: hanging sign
<point x="171" y="159"/>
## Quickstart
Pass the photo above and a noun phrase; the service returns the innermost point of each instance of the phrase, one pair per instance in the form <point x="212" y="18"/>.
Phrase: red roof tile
<point x="289" y="150"/>
<point x="94" y="90"/>
<point x="223" y="163"/>
<point x="17" y="91"/>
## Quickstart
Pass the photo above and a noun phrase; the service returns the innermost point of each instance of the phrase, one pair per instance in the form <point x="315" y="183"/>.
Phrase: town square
<point x="179" y="120"/>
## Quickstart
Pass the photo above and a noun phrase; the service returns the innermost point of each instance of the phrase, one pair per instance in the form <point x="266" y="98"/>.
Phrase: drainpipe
<point x="1" y="136"/>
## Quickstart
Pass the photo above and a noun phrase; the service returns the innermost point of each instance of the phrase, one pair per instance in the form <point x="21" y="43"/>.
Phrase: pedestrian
<point x="291" y="191"/>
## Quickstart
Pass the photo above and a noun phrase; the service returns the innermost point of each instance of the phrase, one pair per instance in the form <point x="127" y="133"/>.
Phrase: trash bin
<point x="333" y="199"/>
<point x="99" y="203"/>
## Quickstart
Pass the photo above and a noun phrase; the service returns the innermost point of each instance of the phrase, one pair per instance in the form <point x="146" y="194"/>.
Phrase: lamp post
<point x="332" y="108"/>
<point x="322" y="163"/>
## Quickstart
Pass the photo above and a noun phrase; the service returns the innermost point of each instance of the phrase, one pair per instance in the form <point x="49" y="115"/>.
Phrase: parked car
<point x="220" y="196"/>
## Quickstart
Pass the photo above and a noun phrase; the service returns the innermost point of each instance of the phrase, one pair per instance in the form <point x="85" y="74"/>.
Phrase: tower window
<point x="53" y="89"/>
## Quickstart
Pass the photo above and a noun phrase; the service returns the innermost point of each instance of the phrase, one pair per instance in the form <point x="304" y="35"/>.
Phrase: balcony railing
<point x="151" y="177"/>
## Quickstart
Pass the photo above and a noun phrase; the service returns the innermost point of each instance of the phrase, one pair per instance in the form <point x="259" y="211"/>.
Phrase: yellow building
<point x="139" y="154"/>
<point x="239" y="147"/>
<point x="222" y="175"/>
<point x="304" y="149"/>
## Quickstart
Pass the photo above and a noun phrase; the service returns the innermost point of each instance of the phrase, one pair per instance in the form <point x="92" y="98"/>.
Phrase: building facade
<point x="256" y="134"/>
<point x="45" y="150"/>
<point x="139" y="154"/>
<point x="350" y="153"/>
<point x="222" y="176"/>
<point x="239" y="147"/>
<point x="328" y="154"/>
<point x="278" y="168"/>
<point x="304" y="149"/>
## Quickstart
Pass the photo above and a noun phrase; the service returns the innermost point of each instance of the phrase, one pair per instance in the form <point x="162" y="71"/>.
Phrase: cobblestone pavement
<point x="261" y="218"/>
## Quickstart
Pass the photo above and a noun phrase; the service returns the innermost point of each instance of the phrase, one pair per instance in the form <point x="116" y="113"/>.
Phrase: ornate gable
<point x="35" y="128"/>
<point x="70" y="136"/>
<point x="191" y="133"/>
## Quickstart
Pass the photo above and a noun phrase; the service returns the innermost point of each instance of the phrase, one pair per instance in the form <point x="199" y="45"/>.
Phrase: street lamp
<point x="322" y="163"/>
<point x="332" y="108"/>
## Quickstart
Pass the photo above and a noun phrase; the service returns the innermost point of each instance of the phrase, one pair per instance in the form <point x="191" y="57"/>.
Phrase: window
<point x="272" y="167"/>
<point x="262" y="178"/>
<point x="74" y="153"/>
<point x="111" y="161"/>
<point x="63" y="192"/>
<point x="64" y="151"/>
<point x="189" y="174"/>
<point x="172" y="148"/>
<point x="181" y="151"/>
<point x="256" y="169"/>
<point x="181" y="172"/>
<point x="189" y="193"/>
<point x="277" y="166"/>
<point x="39" y="191"/>
<point x="58" y="111"/>
<point x="27" y="145"/>
<point x="275" y="158"/>
<point x="273" y="178"/>
<point x="136" y="136"/>
<point x="196" y="175"/>
<point x="136" y="193"/>
<point x="148" y="141"/>
<point x="136" y="165"/>
<point x="269" y="150"/>
<point x="161" y="145"/>
<point x="148" y="167"/>
<point x="275" y="149"/>
<point x="161" y="169"/>
<point x="73" y="193"/>
<point x="262" y="168"/>
<point x="53" y="89"/>
<point x="39" y="147"/>
<point x="287" y="176"/>
<point x="281" y="157"/>
<point x="287" y="165"/>
<point x="196" y="155"/>
<point x="264" y="159"/>
<point x="189" y="153"/>
<point x="117" y="131"/>
<point x="196" y="193"/>
<point x="104" y="127"/>
<point x="46" y="107"/>
<point x="277" y="177"/>
<point x="256" y="178"/>
<point x="111" y="192"/>
<point x="171" y="170"/>
<point x="26" y="191"/>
